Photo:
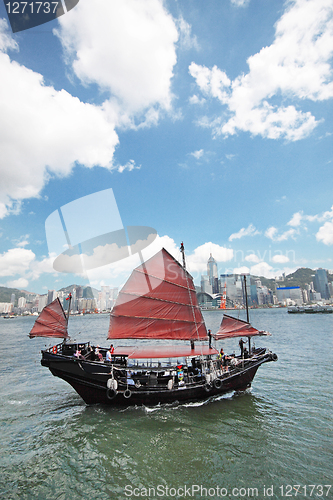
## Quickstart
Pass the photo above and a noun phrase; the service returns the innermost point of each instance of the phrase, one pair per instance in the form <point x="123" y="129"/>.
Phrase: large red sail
<point x="158" y="301"/>
<point x="51" y="322"/>
<point x="233" y="327"/>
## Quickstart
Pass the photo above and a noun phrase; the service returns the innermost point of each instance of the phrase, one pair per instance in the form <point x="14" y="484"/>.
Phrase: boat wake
<point x="178" y="405"/>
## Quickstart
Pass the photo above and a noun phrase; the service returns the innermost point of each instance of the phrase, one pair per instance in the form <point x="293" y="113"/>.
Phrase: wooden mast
<point x="247" y="310"/>
<point x="183" y="254"/>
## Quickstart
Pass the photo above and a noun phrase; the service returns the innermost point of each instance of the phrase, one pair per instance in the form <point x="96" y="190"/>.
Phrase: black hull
<point x="90" y="381"/>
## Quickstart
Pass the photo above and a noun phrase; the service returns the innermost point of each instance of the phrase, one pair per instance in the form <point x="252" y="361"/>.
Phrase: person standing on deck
<point x="210" y="339"/>
<point x="241" y="345"/>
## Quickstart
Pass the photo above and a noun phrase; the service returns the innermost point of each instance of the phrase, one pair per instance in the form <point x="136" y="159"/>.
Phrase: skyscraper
<point x="320" y="283"/>
<point x="212" y="273"/>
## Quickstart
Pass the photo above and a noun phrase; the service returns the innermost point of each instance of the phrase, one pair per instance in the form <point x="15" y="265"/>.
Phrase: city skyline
<point x="214" y="289"/>
<point x="212" y="125"/>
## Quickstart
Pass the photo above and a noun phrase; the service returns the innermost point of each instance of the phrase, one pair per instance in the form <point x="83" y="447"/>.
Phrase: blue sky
<point x="212" y="122"/>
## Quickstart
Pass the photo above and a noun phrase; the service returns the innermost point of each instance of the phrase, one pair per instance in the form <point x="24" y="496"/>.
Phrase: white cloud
<point x="328" y="214"/>
<point x="35" y="120"/>
<point x="325" y="233"/>
<point x="249" y="231"/>
<point x="252" y="258"/>
<point x="6" y="41"/>
<point x="240" y="3"/>
<point x="280" y="259"/>
<point x="130" y="165"/>
<point x="198" y="154"/>
<point x="126" y="47"/>
<point x="296" y="66"/>
<point x="117" y="273"/>
<point x="262" y="269"/>
<point x="272" y="231"/>
<point x="194" y="99"/>
<point x="44" y="266"/>
<point x="279" y="200"/>
<point x="15" y="261"/>
<point x="241" y="270"/>
<point x="197" y="261"/>
<point x="21" y="264"/>
<point x="20" y="283"/>
<point x="296" y="219"/>
<point x="186" y="39"/>
<point x="213" y="82"/>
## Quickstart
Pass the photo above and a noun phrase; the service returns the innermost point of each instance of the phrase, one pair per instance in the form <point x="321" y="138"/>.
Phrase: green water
<point x="249" y="445"/>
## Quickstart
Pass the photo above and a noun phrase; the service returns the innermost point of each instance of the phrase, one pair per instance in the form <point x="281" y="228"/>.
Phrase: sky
<point x="211" y="122"/>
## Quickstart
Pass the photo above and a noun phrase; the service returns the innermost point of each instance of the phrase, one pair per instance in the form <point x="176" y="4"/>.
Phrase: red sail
<point x="232" y="327"/>
<point x="51" y="322"/>
<point x="158" y="301"/>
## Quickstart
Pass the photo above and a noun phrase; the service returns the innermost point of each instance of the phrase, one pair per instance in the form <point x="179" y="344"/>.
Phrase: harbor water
<point x="274" y="440"/>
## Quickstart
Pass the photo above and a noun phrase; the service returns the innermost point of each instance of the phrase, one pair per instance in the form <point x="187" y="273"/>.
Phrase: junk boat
<point x="173" y="361"/>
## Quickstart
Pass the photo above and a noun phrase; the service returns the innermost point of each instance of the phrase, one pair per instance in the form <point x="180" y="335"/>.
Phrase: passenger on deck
<point x="246" y="353"/>
<point x="78" y="354"/>
<point x="108" y="355"/>
<point x="224" y="359"/>
<point x="98" y="354"/>
<point x="241" y="345"/>
<point x="111" y="349"/>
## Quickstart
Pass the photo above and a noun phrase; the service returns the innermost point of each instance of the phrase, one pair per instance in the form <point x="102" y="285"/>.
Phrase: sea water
<point x="274" y="440"/>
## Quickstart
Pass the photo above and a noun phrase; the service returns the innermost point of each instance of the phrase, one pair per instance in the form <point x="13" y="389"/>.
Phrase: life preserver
<point x="170" y="384"/>
<point x="127" y="394"/>
<point x="112" y="384"/>
<point x="208" y="387"/>
<point x="217" y="383"/>
<point x="111" y="393"/>
<point x="54" y="349"/>
<point x="274" y="357"/>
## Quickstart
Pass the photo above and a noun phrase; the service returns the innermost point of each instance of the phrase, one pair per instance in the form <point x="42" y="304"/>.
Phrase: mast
<point x="247" y="309"/>
<point x="183" y="254"/>
<point x="69" y="298"/>
<point x="246" y="304"/>
<point x="182" y="249"/>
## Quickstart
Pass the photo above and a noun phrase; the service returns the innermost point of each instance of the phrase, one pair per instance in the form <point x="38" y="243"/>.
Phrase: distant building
<point x="330" y="288"/>
<point x="265" y="296"/>
<point x="41" y="302"/>
<point x="22" y="302"/>
<point x="286" y="293"/>
<point x="51" y="296"/>
<point x="6" y="307"/>
<point x="320" y="283"/>
<point x="206" y="287"/>
<point x="212" y="273"/>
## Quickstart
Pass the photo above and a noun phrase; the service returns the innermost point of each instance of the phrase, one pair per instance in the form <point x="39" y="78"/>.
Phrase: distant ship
<point x="310" y="309"/>
<point x="171" y="359"/>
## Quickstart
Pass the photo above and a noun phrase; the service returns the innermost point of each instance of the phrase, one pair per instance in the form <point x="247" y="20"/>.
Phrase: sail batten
<point x="51" y="322"/>
<point x="158" y="301"/>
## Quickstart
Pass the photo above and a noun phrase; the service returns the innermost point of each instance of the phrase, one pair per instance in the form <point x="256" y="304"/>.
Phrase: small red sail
<point x="232" y="327"/>
<point x="158" y="301"/>
<point x="51" y="322"/>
